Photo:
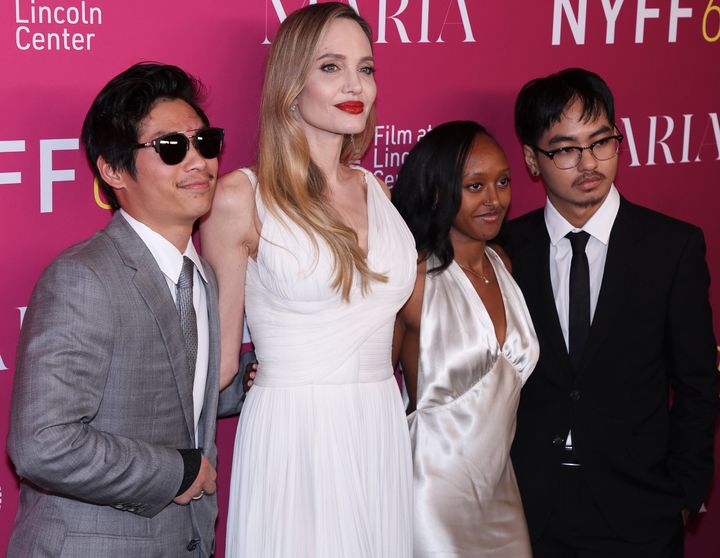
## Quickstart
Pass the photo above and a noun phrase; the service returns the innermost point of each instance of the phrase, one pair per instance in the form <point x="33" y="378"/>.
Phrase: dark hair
<point x="428" y="190"/>
<point x="541" y="102"/>
<point x="111" y="126"/>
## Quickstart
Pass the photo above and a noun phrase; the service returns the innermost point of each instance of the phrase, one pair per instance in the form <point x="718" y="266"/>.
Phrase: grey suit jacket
<point x="102" y="399"/>
<point x="233" y="396"/>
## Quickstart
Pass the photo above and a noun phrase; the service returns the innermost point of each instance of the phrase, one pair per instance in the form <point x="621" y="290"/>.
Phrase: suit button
<point x="575" y="395"/>
<point x="193" y="544"/>
<point x="558" y="441"/>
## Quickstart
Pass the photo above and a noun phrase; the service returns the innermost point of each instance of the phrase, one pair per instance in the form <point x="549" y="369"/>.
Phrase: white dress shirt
<point x="598" y="227"/>
<point x="170" y="261"/>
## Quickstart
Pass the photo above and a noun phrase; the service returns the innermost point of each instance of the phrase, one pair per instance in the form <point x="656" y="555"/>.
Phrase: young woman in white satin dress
<point x="322" y="465"/>
<point x="466" y="344"/>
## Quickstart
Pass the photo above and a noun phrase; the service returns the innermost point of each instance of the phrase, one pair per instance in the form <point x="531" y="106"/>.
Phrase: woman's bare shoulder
<point x="234" y="191"/>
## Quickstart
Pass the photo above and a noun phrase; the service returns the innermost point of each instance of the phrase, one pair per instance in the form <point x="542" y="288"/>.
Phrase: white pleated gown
<point x="322" y="464"/>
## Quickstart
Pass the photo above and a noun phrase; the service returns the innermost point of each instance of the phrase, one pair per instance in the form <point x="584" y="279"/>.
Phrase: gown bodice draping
<point x="300" y="323"/>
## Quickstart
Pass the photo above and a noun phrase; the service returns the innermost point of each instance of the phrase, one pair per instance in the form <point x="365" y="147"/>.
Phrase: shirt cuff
<point x="191" y="467"/>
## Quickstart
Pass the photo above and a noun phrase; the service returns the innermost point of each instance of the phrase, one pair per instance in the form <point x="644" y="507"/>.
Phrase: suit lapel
<point x="150" y="283"/>
<point x="615" y="289"/>
<point x="538" y="293"/>
<point x="208" y="421"/>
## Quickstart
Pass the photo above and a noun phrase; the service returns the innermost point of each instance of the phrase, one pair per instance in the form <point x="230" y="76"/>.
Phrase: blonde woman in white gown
<point x="466" y="344"/>
<point x="322" y="465"/>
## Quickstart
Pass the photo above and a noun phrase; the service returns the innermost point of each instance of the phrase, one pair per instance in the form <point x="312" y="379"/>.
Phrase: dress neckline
<point x="370" y="183"/>
<point x="370" y="210"/>
<point x="484" y="314"/>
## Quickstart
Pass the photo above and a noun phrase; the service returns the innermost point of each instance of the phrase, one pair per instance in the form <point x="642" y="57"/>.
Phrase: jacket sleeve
<point x="232" y="397"/>
<point x="64" y="357"/>
<point x="693" y="374"/>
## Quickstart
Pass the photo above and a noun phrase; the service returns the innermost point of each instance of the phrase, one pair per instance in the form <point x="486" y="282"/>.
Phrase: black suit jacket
<point x="643" y="458"/>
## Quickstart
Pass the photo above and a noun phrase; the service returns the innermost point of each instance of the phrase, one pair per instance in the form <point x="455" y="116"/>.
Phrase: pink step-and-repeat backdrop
<point x="437" y="60"/>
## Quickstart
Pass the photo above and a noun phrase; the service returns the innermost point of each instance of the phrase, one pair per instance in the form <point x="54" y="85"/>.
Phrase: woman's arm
<point x="406" y="339"/>
<point x="229" y="234"/>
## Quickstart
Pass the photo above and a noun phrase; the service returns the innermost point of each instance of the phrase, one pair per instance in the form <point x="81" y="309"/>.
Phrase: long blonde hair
<point x="289" y="181"/>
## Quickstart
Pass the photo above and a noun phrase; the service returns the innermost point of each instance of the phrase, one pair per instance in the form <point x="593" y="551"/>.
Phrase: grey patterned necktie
<point x="186" y="311"/>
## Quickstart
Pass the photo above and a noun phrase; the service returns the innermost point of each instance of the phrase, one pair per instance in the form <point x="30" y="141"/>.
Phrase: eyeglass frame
<point x="190" y="139"/>
<point x="551" y="154"/>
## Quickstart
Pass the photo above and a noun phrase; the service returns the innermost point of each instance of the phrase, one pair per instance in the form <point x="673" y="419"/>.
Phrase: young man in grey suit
<point x="608" y="466"/>
<point x="116" y="389"/>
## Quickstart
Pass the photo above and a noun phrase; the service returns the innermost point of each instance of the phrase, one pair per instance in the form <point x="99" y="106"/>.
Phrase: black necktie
<point x="186" y="311"/>
<point x="579" y="324"/>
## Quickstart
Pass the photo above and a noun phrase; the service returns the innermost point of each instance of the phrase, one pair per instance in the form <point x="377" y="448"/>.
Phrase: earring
<point x="293" y="110"/>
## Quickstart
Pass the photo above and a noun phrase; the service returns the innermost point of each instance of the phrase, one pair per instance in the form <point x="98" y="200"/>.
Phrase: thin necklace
<point x="482" y="276"/>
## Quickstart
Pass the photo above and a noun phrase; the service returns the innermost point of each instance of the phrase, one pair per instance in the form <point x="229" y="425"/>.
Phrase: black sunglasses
<point x="173" y="147"/>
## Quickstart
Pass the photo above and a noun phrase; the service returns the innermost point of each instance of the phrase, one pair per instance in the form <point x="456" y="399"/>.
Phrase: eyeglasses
<point x="569" y="157"/>
<point x="173" y="147"/>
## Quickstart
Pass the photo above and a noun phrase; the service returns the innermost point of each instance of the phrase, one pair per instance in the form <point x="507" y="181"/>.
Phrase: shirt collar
<point x="167" y="256"/>
<point x="598" y="226"/>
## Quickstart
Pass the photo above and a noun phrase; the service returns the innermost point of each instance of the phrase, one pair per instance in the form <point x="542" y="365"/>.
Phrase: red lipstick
<point x="352" y="107"/>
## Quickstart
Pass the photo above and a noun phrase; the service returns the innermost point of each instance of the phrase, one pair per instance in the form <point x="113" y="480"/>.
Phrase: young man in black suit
<point x="608" y="462"/>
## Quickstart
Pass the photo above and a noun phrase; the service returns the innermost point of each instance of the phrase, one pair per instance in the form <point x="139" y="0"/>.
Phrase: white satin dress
<point x="322" y="465"/>
<point x="467" y="502"/>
